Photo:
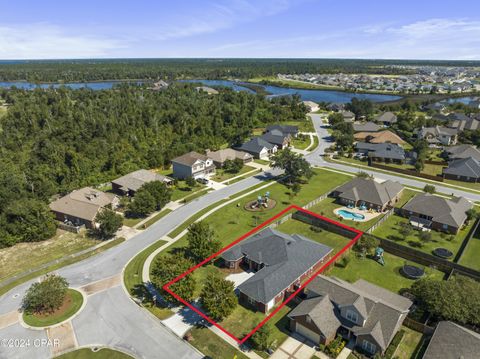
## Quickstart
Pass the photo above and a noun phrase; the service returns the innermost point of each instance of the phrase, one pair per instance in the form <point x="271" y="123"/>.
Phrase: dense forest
<point x="52" y="141"/>
<point x="96" y="70"/>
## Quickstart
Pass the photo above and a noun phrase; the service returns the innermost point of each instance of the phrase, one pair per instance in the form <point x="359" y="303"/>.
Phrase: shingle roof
<point x="379" y="137"/>
<point x="347" y="115"/>
<point x="382" y="309"/>
<point x="190" y="158"/>
<point x="322" y="312"/>
<point x="452" y="341"/>
<point x="463" y="151"/>
<point x="286" y="129"/>
<point x="285" y="258"/>
<point x="275" y="137"/>
<point x="134" y="180"/>
<point x="436" y="131"/>
<point x="442" y="210"/>
<point x="228" y="154"/>
<point x="382" y="150"/>
<point x="83" y="203"/>
<point x="389" y="117"/>
<point x="362" y="189"/>
<point x="467" y="167"/>
<point x="255" y="145"/>
<point x="366" y="127"/>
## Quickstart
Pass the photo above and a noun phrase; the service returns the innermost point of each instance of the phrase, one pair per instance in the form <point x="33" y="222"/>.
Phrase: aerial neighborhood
<point x="193" y="215"/>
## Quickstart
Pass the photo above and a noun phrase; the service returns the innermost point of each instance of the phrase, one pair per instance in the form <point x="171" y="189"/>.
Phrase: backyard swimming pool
<point x="350" y="215"/>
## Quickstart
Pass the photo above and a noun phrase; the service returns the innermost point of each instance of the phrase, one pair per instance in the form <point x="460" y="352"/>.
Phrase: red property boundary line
<point x="166" y="287"/>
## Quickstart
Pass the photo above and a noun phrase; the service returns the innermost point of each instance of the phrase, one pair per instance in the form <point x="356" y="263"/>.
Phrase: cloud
<point x="46" y="41"/>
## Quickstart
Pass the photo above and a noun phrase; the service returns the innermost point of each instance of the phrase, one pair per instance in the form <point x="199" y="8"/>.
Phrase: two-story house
<point x="438" y="135"/>
<point x="192" y="164"/>
<point x="361" y="311"/>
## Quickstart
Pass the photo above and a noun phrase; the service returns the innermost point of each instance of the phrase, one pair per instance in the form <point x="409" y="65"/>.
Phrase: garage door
<point x="307" y="333"/>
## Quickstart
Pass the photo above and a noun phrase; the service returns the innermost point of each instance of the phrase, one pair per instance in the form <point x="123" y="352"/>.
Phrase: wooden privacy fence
<point x="407" y="172"/>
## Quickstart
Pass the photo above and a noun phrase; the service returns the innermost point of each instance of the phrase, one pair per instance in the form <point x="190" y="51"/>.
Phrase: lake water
<point x="306" y="95"/>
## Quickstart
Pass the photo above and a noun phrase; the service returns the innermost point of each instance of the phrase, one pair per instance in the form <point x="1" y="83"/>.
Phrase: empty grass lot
<point x="14" y="261"/>
<point x="87" y="353"/>
<point x="391" y="227"/>
<point x="212" y="345"/>
<point x="301" y="142"/>
<point x="387" y="276"/>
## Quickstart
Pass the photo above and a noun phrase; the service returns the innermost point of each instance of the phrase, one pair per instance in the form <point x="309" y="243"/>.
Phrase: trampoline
<point x="443" y="253"/>
<point x="412" y="272"/>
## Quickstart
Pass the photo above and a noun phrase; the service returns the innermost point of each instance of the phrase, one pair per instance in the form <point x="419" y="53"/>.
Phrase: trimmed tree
<point x="218" y="297"/>
<point x="159" y="191"/>
<point x="142" y="204"/>
<point x="190" y="181"/>
<point x="167" y="268"/>
<point x="46" y="296"/>
<point x="201" y="241"/>
<point x="295" y="166"/>
<point x="233" y="166"/>
<point x="429" y="189"/>
<point x="109" y="223"/>
<point x="261" y="338"/>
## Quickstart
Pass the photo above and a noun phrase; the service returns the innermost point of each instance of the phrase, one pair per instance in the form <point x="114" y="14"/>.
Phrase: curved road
<point x="110" y="317"/>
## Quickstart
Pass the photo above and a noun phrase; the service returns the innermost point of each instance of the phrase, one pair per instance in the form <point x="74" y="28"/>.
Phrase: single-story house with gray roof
<point x="219" y="157"/>
<point x="286" y="129"/>
<point x="369" y="193"/>
<point x="258" y="147"/>
<point x="383" y="152"/>
<point x="387" y="118"/>
<point x="366" y="127"/>
<point x="452" y="341"/>
<point x="462" y="151"/>
<point x="281" y="262"/>
<point x="441" y="214"/>
<point x="362" y="311"/>
<point x="131" y="182"/>
<point x="463" y="169"/>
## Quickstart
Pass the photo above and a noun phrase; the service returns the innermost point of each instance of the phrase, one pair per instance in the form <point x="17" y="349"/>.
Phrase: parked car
<point x="202" y="180"/>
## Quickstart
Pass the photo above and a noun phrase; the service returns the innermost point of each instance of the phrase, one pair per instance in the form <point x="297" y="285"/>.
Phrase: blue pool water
<point x="350" y="215"/>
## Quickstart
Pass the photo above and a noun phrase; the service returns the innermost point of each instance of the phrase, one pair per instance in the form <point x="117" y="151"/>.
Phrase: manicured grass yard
<point x="221" y="175"/>
<point x="157" y="217"/>
<point x="315" y="143"/>
<point x="262" y="162"/>
<point x="132" y="222"/>
<point x="301" y="142"/>
<point x="14" y="261"/>
<point x="409" y="343"/>
<point x="72" y="303"/>
<point x="212" y="345"/>
<point x="387" y="276"/>
<point x="471" y="254"/>
<point x="390" y="230"/>
<point x="87" y="353"/>
<point x="333" y="240"/>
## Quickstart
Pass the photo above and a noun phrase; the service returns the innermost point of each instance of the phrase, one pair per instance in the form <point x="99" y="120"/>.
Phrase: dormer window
<point x="352" y="316"/>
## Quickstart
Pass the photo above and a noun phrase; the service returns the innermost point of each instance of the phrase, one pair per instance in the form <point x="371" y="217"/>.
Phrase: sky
<point x="386" y="29"/>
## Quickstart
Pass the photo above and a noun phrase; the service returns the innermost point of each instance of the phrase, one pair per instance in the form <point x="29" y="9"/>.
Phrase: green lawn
<point x="132" y="222"/>
<point x="87" y="353"/>
<point x="132" y="276"/>
<point x="74" y="300"/>
<point x="262" y="162"/>
<point x="409" y="343"/>
<point x="303" y="126"/>
<point x="407" y="195"/>
<point x="36" y="273"/>
<point x="221" y="175"/>
<point x="328" y="205"/>
<point x="333" y="240"/>
<point x="390" y="230"/>
<point x="14" y="261"/>
<point x="301" y="142"/>
<point x="213" y="346"/>
<point x="470" y="256"/>
<point x="387" y="276"/>
<point x="202" y="273"/>
<point x="315" y="143"/>
<point x="181" y="190"/>
<point x="157" y="217"/>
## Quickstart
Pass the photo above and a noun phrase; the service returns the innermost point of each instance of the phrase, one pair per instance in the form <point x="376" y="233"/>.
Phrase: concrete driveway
<point x="295" y="347"/>
<point x="182" y="321"/>
<point x="239" y="278"/>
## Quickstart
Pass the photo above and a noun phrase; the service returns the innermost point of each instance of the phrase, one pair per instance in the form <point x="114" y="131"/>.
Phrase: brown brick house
<point x="281" y="262"/>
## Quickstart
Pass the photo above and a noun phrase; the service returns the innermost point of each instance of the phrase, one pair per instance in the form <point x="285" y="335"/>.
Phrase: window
<point x="369" y="347"/>
<point x="352" y="316"/>
<point x="251" y="301"/>
<point x="445" y="226"/>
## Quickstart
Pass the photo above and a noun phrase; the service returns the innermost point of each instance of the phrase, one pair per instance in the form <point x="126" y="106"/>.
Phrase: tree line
<point x="55" y="140"/>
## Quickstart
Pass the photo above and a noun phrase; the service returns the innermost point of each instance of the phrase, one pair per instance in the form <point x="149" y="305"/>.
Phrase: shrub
<point x="394" y="344"/>
<point x="335" y="346"/>
<point x="315" y="229"/>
